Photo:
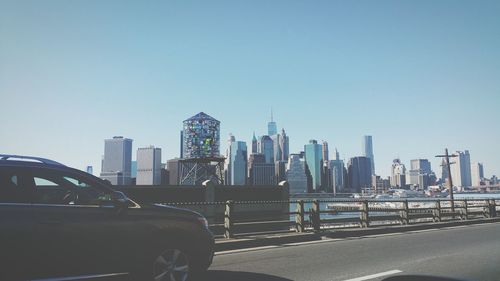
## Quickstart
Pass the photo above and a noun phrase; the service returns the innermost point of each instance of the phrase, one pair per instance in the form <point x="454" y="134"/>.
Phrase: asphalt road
<point x="466" y="252"/>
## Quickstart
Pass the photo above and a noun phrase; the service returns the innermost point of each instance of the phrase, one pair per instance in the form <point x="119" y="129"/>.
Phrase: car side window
<point x="58" y="187"/>
<point x="11" y="189"/>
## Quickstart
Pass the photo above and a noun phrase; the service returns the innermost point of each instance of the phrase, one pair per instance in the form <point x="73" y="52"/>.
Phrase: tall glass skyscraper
<point x="201" y="137"/>
<point x="296" y="175"/>
<point x="266" y="147"/>
<point x="116" y="165"/>
<point x="314" y="161"/>
<point x="284" y="145"/>
<point x="337" y="172"/>
<point x="272" y="129"/>
<point x="238" y="163"/>
<point x="359" y="173"/>
<point x="368" y="151"/>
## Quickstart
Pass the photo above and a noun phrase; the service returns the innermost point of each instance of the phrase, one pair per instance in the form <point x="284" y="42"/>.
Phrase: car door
<point x="77" y="232"/>
<point x="16" y="225"/>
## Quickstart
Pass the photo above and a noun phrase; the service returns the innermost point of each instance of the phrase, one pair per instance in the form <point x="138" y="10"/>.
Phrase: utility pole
<point x="446" y="156"/>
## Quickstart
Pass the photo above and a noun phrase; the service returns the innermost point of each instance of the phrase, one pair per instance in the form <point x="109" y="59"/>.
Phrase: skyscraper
<point x="276" y="147"/>
<point x="420" y="172"/>
<point x="368" y="151"/>
<point x="266" y="147"/>
<point x="337" y="173"/>
<point x="324" y="151"/>
<point x="238" y="161"/>
<point x="116" y="165"/>
<point x="201" y="137"/>
<point x="477" y="173"/>
<point x="272" y="129"/>
<point x="284" y="146"/>
<point x="398" y="174"/>
<point x="254" y="143"/>
<point x="359" y="173"/>
<point x="296" y="175"/>
<point x="228" y="163"/>
<point x="260" y="172"/>
<point x="314" y="161"/>
<point x="461" y="170"/>
<point x="148" y="166"/>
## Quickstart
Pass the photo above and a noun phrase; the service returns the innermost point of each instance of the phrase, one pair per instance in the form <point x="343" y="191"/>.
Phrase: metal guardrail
<point x="237" y="218"/>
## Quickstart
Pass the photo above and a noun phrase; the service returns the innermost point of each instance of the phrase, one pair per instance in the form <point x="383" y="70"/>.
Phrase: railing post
<point x="228" y="222"/>
<point x="437" y="212"/>
<point x="363" y="215"/>
<point x="465" y="210"/>
<point x="299" y="216"/>
<point x="487" y="209"/>
<point x="405" y="219"/>
<point x="315" y="216"/>
<point x="493" y="208"/>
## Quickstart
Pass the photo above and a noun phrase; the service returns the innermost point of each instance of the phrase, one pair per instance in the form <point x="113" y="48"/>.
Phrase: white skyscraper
<point x="398" y="177"/>
<point x="117" y="161"/>
<point x="477" y="173"/>
<point x="461" y="170"/>
<point x="148" y="166"/>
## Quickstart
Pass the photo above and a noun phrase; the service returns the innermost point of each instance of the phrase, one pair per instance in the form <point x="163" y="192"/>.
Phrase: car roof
<point x="4" y="158"/>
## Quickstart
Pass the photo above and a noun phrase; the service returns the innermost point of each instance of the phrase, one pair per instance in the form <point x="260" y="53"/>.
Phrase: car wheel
<point x="171" y="265"/>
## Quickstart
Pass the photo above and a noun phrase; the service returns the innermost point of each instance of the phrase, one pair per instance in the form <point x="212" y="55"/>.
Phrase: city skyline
<point x="417" y="76"/>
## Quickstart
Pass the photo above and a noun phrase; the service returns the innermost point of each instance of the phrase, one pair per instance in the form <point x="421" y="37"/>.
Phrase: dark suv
<point x="61" y="223"/>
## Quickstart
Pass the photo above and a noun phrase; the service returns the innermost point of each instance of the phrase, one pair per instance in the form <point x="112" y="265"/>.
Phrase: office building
<point x="419" y="173"/>
<point x="90" y="170"/>
<point x="284" y="146"/>
<point x="359" y="173"/>
<point x="227" y="162"/>
<point x="272" y="129"/>
<point x="280" y="170"/>
<point x="296" y="175"/>
<point x="337" y="173"/>
<point x="368" y="151"/>
<point x="477" y="173"/>
<point x="148" y="166"/>
<point x="380" y="185"/>
<point x="314" y="161"/>
<point x="116" y="164"/>
<point x="276" y="147"/>
<point x="266" y="147"/>
<point x="324" y="151"/>
<point x="461" y="170"/>
<point x="201" y="137"/>
<point x="259" y="171"/>
<point x="254" y="144"/>
<point x="398" y="174"/>
<point x="174" y="171"/>
<point x="238" y="160"/>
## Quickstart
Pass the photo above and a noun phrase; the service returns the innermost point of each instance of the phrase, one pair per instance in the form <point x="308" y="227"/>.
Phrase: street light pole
<point x="446" y="156"/>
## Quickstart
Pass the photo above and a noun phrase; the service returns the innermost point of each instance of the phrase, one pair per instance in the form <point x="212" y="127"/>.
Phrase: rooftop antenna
<point x="271" y="114"/>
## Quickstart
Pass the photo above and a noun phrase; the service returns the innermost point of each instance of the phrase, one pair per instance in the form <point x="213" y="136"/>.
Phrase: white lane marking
<point x="381" y="274"/>
<point x="244" y="250"/>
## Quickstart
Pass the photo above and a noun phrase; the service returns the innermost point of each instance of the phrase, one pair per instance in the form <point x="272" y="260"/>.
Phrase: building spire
<point x="271" y="114"/>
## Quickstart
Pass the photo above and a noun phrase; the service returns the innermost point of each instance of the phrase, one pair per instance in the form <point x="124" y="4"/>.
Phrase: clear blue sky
<point x="417" y="75"/>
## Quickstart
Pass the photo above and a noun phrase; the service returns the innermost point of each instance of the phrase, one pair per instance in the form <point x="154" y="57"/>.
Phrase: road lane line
<point x="244" y="250"/>
<point x="381" y="274"/>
